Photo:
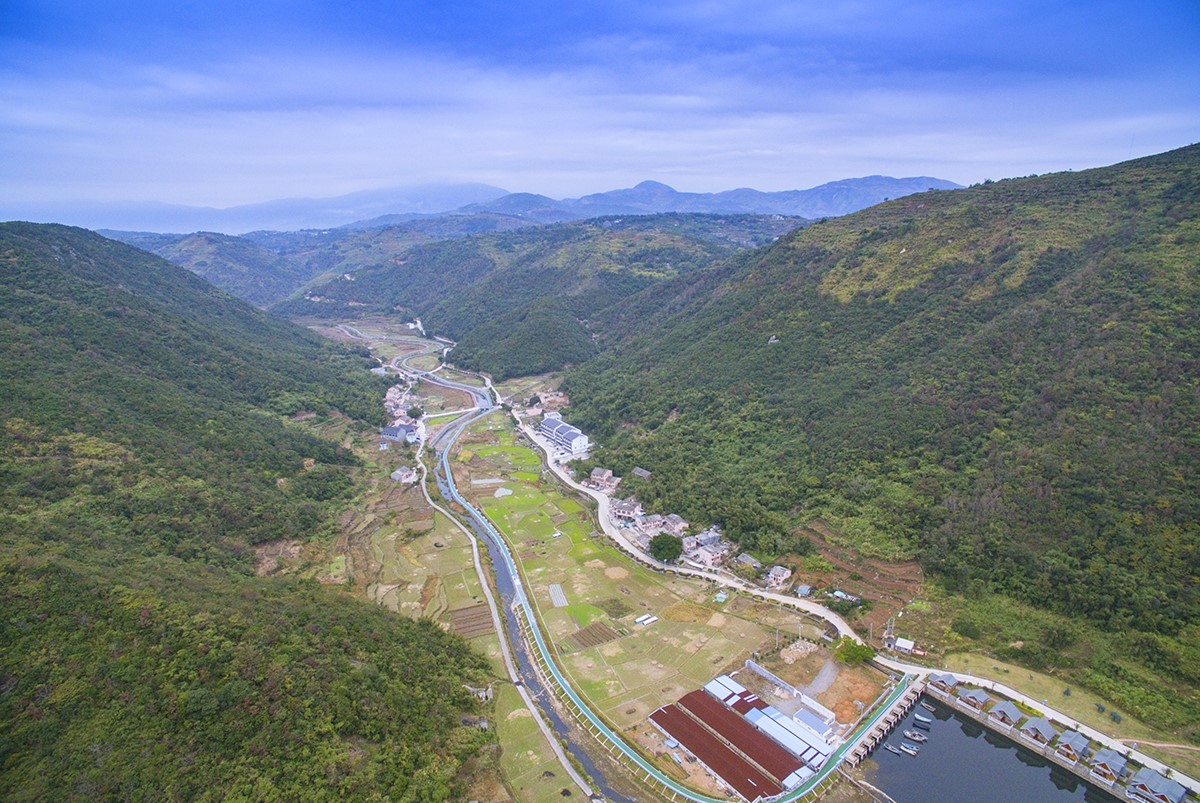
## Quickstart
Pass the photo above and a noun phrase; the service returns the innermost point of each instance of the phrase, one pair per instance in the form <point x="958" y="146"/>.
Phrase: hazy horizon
<point x="231" y="104"/>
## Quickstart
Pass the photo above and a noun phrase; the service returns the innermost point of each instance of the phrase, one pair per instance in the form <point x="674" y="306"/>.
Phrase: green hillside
<point x="1001" y="381"/>
<point x="520" y="302"/>
<point x="144" y="449"/>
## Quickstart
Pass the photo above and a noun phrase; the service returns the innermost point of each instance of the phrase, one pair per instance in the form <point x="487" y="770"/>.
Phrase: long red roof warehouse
<point x="749" y="782"/>
<point x="741" y="734"/>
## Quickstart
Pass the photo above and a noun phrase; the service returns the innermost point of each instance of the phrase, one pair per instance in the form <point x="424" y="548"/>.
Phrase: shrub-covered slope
<point x="1001" y="380"/>
<point x="143" y="450"/>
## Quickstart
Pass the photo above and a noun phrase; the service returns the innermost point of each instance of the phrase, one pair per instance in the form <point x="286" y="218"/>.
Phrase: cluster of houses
<point x="1105" y="766"/>
<point x="402" y="429"/>
<point x="705" y="550"/>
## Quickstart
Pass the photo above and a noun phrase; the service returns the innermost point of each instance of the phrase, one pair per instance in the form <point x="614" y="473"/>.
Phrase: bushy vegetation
<point x="143" y="451"/>
<point x="1000" y="381"/>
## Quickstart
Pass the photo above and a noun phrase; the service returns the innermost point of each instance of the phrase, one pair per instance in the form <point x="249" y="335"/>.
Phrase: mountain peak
<point x="654" y="185"/>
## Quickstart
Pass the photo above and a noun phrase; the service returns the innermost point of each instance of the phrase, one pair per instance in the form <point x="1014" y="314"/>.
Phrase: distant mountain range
<point x="387" y="207"/>
<point x="651" y="197"/>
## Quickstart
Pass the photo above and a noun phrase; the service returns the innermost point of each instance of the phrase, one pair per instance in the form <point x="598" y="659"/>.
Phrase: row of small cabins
<point x="1106" y="766"/>
<point x="563" y="436"/>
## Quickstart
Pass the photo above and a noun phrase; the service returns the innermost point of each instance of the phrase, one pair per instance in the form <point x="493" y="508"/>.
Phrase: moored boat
<point x="928" y="707"/>
<point x="922" y="725"/>
<point x="891" y="749"/>
<point x="923" y="720"/>
<point x="911" y="749"/>
<point x="916" y="736"/>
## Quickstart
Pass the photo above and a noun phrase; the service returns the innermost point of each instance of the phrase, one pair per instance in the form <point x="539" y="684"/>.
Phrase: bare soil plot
<point x="471" y="621"/>
<point x="594" y="635"/>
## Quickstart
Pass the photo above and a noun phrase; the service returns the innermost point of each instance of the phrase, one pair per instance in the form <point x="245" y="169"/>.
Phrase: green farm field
<point x="636" y="668"/>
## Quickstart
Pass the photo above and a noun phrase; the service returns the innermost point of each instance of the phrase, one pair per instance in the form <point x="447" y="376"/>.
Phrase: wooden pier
<point x="874" y="737"/>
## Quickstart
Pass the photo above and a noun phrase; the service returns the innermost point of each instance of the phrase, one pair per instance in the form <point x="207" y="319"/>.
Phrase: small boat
<point x="891" y="749"/>
<point x="921" y="719"/>
<point x="922" y="725"/>
<point x="911" y="749"/>
<point x="928" y="707"/>
<point x="916" y="736"/>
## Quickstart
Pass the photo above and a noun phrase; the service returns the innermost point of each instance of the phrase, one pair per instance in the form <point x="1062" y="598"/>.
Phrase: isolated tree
<point x="849" y="651"/>
<point x="415" y="412"/>
<point x="666" y="547"/>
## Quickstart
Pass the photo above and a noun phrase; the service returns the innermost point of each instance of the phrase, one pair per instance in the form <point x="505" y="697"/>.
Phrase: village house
<point x="844" y="597"/>
<point x="675" y="524"/>
<point x="602" y="479"/>
<point x="1073" y="746"/>
<point x="625" y="511"/>
<point x="1039" y="730"/>
<point x="1108" y="765"/>
<point x="1006" y="712"/>
<point x="976" y="698"/>
<point x="778" y="576"/>
<point x="650" y="525"/>
<point x="943" y="681"/>
<point x="404" y="474"/>
<point x="804" y="590"/>
<point x="404" y="433"/>
<point x="904" y="645"/>
<point x="708" y="557"/>
<point x="641" y="473"/>
<point x="1152" y="787"/>
<point x="690" y="544"/>
<point x="745" y="559"/>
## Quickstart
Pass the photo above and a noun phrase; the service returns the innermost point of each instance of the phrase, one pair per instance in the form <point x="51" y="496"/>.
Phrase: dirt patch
<point x="473" y="621"/>
<point x="616" y="573"/>
<point x="429" y="590"/>
<point x="853" y="683"/>
<point x="888" y="585"/>
<point x="594" y="634"/>
<point x="717" y="620"/>
<point x="273" y="554"/>
<point x="614" y="607"/>
<point x="688" y="612"/>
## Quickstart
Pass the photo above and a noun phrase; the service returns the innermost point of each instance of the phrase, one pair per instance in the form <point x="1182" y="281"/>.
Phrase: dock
<point x="885" y="725"/>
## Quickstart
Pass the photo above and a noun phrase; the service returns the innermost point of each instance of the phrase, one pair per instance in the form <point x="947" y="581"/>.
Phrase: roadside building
<point x="675" y="524"/>
<point x="904" y="645"/>
<point x="602" y="479"/>
<point x="1006" y="712"/>
<point x="1108" y="765"/>
<point x="625" y="510"/>
<point x="1152" y="787"/>
<point x="1039" y="730"/>
<point x="976" y="698"/>
<point x="1073" y="746"/>
<point x="403" y="433"/>
<point x="707" y="557"/>
<point x="804" y="591"/>
<point x="943" y="681"/>
<point x="746" y="559"/>
<point x="564" y="436"/>
<point x="778" y="576"/>
<point x="844" y="597"/>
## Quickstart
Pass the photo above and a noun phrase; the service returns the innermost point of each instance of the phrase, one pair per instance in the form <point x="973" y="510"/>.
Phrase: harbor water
<point x="964" y="762"/>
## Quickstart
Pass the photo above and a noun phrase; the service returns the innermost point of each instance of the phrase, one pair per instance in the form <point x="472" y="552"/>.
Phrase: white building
<point x="563" y="435"/>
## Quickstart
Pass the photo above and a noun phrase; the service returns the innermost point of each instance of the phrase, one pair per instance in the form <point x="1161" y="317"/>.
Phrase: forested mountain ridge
<point x="519" y="302"/>
<point x="1000" y="380"/>
<point x="143" y="450"/>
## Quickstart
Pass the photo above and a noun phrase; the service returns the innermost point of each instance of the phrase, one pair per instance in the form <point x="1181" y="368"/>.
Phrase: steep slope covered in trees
<point x="143" y="450"/>
<point x="520" y="302"/>
<point x="1002" y="381"/>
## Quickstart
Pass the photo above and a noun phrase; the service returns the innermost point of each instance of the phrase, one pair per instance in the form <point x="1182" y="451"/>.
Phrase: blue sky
<point x="221" y="103"/>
